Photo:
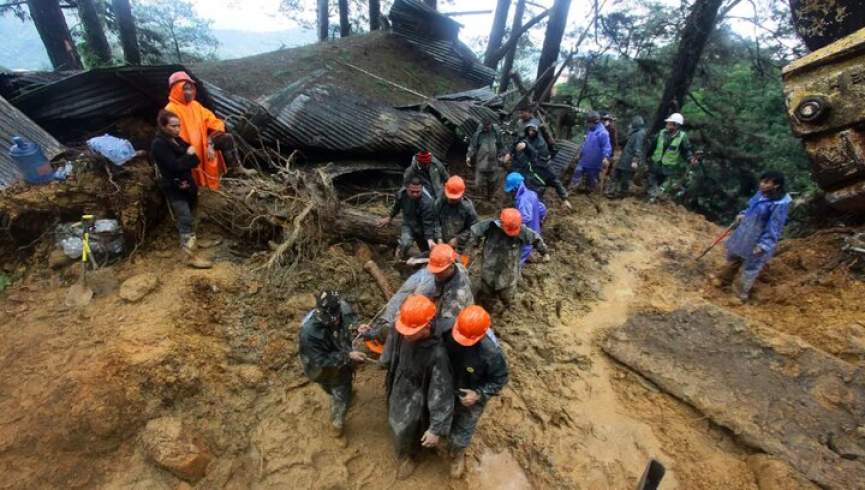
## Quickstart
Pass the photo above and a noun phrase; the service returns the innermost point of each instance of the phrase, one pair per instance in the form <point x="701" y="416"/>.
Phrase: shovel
<point x="80" y="294"/>
<point x="717" y="240"/>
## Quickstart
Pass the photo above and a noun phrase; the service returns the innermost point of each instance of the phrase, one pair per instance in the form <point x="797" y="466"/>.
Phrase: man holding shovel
<point x="758" y="229"/>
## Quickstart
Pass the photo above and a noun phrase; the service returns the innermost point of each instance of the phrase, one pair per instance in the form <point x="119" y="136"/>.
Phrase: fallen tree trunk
<point x="354" y="223"/>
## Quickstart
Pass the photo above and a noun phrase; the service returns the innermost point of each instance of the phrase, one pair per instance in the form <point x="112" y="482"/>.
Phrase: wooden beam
<point x="468" y="12"/>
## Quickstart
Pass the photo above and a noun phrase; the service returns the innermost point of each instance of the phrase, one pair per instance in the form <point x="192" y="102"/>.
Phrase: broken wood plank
<point x="774" y="391"/>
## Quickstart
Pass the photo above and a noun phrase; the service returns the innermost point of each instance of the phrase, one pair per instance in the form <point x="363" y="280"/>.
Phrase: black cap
<point x="327" y="305"/>
<point x="593" y="116"/>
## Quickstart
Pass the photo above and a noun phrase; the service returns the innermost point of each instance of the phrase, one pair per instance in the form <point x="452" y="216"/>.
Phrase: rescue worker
<point x="419" y="384"/>
<point x="486" y="148"/>
<point x="431" y="172"/>
<point x="758" y="230"/>
<point x="326" y="352"/>
<point x="630" y="159"/>
<point x="595" y="154"/>
<point x="480" y="372"/>
<point x="532" y="209"/>
<point x="525" y="118"/>
<point x="671" y="153"/>
<point x="418" y="218"/>
<point x="503" y="240"/>
<point x="175" y="160"/>
<point x="202" y="130"/>
<point x="444" y="280"/>
<point x="538" y="176"/>
<point x="455" y="214"/>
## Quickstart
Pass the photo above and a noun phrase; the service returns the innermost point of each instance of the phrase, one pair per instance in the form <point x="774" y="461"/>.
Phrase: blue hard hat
<point x="513" y="181"/>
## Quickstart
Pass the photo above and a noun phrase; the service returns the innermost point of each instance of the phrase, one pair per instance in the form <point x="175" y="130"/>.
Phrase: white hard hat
<point x="676" y="118"/>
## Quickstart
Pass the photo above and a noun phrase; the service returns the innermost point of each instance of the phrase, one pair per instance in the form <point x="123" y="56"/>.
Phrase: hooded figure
<point x="198" y="127"/>
<point x="596" y="150"/>
<point x="629" y="161"/>
<point x="531" y="208"/>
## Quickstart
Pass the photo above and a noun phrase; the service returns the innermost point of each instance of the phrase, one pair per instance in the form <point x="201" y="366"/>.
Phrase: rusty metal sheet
<point x="14" y="123"/>
<point x="567" y="153"/>
<point x="850" y="198"/>
<point x="774" y="391"/>
<point x="837" y="158"/>
<point x="462" y="116"/>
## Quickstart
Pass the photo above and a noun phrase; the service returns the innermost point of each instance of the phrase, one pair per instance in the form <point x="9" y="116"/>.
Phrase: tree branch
<point x="515" y="37"/>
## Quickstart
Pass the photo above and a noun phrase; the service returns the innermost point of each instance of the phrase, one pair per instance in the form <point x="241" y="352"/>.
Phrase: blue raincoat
<point x="761" y="226"/>
<point x="533" y="213"/>
<point x="595" y="148"/>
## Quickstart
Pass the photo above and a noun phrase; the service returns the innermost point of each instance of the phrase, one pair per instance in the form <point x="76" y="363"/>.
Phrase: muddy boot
<point x="208" y="242"/>
<point x="458" y="464"/>
<point x="190" y="257"/>
<point x="726" y="276"/>
<point x="405" y="468"/>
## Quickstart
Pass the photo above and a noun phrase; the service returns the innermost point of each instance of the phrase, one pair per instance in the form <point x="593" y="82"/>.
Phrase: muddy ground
<point x="216" y="351"/>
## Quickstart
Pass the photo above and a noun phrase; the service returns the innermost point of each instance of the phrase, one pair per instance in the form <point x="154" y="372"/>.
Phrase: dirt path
<point x="218" y="350"/>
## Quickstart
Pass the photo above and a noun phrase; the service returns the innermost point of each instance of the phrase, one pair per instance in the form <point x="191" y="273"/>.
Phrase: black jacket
<point x="418" y="215"/>
<point x="175" y="165"/>
<point x="324" y="350"/>
<point x="481" y="367"/>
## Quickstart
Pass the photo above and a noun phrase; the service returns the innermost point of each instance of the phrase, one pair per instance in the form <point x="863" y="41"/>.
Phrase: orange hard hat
<point x="471" y="325"/>
<point x="455" y="187"/>
<point x="511" y="220"/>
<point x="375" y="346"/>
<point x="415" y="313"/>
<point x="441" y="257"/>
<point x="179" y="76"/>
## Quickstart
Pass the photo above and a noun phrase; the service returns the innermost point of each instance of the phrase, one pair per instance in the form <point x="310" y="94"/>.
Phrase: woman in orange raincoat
<point x="202" y="130"/>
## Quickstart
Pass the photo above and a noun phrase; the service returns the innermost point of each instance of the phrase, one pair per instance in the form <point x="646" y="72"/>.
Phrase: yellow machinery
<point x="825" y="95"/>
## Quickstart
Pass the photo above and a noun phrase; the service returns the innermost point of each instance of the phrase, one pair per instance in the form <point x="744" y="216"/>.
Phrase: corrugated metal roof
<point x="14" y="123"/>
<point x="482" y="94"/>
<point x="318" y="119"/>
<point x="459" y="115"/>
<point x="17" y="83"/>
<point x="326" y="120"/>
<point x="436" y="35"/>
<point x="567" y="153"/>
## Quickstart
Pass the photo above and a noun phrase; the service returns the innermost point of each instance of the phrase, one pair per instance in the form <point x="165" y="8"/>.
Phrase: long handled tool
<point x="80" y="294"/>
<point x="717" y="240"/>
<point x="652" y="475"/>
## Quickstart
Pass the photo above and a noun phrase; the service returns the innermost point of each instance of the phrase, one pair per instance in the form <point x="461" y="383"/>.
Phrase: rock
<point x="137" y="287"/>
<point x="363" y="253"/>
<point x="171" y="448"/>
<point x="774" y="474"/>
<point x="250" y="375"/>
<point x="58" y="260"/>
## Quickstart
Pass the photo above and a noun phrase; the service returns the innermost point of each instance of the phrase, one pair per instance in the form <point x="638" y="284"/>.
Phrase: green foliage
<point x="735" y="111"/>
<point x="5" y="282"/>
<point x="171" y="31"/>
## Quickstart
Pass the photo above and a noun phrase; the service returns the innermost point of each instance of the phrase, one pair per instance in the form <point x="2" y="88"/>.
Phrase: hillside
<point x="386" y="55"/>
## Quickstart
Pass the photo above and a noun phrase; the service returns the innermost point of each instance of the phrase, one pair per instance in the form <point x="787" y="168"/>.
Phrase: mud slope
<point x="217" y="350"/>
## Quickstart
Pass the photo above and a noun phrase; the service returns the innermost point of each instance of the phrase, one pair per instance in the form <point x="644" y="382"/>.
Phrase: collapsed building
<point x="328" y="103"/>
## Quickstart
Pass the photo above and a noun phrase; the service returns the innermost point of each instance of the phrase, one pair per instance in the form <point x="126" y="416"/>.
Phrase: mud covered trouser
<point x="592" y="176"/>
<point x="407" y="237"/>
<point x="487" y="295"/>
<point x="464" y="425"/>
<point x="622" y="180"/>
<point x="487" y="181"/>
<point x="183" y="206"/>
<point x="340" y="398"/>
<point x="750" y="270"/>
<point x="225" y="143"/>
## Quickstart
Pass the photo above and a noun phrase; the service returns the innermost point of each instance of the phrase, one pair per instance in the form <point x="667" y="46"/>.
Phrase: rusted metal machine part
<point x="825" y="93"/>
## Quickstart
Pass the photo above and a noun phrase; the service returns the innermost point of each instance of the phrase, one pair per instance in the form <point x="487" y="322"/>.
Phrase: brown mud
<point x="218" y="350"/>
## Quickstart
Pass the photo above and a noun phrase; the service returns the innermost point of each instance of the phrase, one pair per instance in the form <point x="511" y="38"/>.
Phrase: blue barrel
<point x="31" y="161"/>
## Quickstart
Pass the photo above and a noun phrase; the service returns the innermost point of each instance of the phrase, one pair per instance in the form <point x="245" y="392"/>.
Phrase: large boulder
<point x="170" y="447"/>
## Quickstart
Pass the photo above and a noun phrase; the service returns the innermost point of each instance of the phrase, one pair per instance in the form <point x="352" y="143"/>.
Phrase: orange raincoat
<point x="196" y="123"/>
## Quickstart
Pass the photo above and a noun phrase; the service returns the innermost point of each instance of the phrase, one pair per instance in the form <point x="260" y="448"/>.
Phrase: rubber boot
<point x="458" y="464"/>
<point x="406" y="467"/>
